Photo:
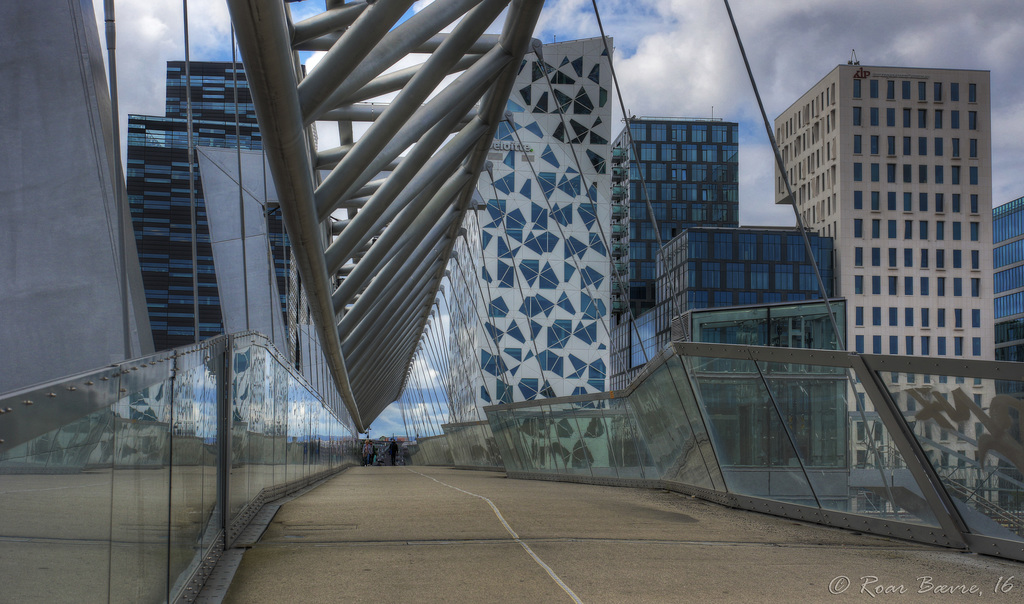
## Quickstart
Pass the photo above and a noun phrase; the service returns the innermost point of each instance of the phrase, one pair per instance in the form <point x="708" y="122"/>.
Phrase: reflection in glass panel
<point x="74" y="530"/>
<point x="827" y="428"/>
<point x="754" y="451"/>
<point x="138" y="553"/>
<point x="971" y="429"/>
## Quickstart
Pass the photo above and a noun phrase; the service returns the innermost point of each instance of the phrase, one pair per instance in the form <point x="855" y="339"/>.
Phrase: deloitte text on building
<point x="544" y="233"/>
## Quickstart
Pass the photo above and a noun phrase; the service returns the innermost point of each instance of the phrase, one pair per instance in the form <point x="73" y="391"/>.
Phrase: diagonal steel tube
<point x="347" y="53"/>
<point x="411" y="225"/>
<point x="383" y="141"/>
<point x="264" y="42"/>
<point x="383" y="205"/>
<point x="396" y="80"/>
<point x="326" y="22"/>
<point x="343" y="75"/>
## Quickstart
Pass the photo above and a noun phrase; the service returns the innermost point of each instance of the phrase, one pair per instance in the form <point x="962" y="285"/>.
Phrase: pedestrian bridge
<point x="136" y="479"/>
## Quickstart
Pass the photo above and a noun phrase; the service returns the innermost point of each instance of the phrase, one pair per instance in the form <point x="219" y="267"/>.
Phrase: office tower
<point x="894" y="164"/>
<point x="739" y="267"/>
<point x="690" y="168"/>
<point x="1008" y="261"/>
<point x="544" y="265"/>
<point x="160" y="200"/>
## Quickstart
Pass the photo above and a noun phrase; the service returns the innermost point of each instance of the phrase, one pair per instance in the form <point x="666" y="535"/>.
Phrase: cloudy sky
<point x="679" y="58"/>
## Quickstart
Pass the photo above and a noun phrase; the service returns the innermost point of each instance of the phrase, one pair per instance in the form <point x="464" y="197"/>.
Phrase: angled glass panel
<point x="673" y="430"/>
<point x="970" y="430"/>
<point x="595" y="420"/>
<point x="567" y="441"/>
<point x="754" y="450"/>
<point x="845" y="449"/>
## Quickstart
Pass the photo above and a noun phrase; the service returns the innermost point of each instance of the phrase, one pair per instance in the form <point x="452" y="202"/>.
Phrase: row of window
<point x="926" y="345"/>
<point x="908" y="259"/>
<point x="937" y="145"/>
<point x="683" y="172"/>
<point x="671" y="191"/>
<point x="699" y="298"/>
<point x="689" y="153"/>
<point x="680" y="133"/>
<point x="907" y="121"/>
<point x="892" y="229"/>
<point x="908" y="202"/>
<point x="877" y="313"/>
<point x="922" y="89"/>
<point x="924" y="284"/>
<point x="875" y="173"/>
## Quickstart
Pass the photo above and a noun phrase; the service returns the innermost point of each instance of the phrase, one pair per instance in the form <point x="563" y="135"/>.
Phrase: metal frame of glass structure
<point x="922" y="449"/>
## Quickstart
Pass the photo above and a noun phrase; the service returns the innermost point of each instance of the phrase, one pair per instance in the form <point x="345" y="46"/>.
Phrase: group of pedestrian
<point x="375" y="455"/>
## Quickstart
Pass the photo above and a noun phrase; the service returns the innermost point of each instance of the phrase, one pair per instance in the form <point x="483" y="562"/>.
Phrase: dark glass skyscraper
<point x="690" y="169"/>
<point x="158" y="193"/>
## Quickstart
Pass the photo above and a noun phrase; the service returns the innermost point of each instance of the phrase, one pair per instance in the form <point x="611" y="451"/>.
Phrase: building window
<point x="856" y="88"/>
<point x="975" y="288"/>
<point x="954" y="91"/>
<point x="876" y="256"/>
<point x="856" y="144"/>
<point x="938" y="119"/>
<point x="906" y="89"/>
<point x="925" y="345"/>
<point x="976" y="346"/>
<point x="922" y="118"/>
<point x="908" y="317"/>
<point x="874" y="116"/>
<point x="972" y="93"/>
<point x="858" y="256"/>
<point x="876" y="344"/>
<point x="876" y="285"/>
<point x="906" y="118"/>
<point x="974" y="175"/>
<point x="890" y="117"/>
<point x="890" y="90"/>
<point x="860" y="344"/>
<point x="972" y="120"/>
<point x="976" y="318"/>
<point x="924" y="317"/>
<point x="956" y="147"/>
<point x="954" y="120"/>
<point x="858" y="200"/>
<point x="924" y="286"/>
<point x="858" y="171"/>
<point x="873" y="87"/>
<point x="856" y="116"/>
<point x="975" y="257"/>
<point x="974" y="147"/>
<point x="858" y="284"/>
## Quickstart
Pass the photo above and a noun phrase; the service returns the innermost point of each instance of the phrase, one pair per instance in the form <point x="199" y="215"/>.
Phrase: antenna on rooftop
<point x="853" y="58"/>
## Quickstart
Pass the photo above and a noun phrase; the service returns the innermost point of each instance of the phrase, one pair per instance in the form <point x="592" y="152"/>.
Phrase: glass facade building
<point x="894" y="163"/>
<point x="159" y="197"/>
<point x="687" y="170"/>
<point x="716" y="268"/>
<point x="1008" y="261"/>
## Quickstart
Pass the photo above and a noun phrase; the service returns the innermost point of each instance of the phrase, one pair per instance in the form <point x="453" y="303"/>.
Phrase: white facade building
<point x="895" y="164"/>
<point x="544" y="285"/>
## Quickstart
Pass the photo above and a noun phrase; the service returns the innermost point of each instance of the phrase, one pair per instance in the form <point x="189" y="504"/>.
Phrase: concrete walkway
<point x="396" y="534"/>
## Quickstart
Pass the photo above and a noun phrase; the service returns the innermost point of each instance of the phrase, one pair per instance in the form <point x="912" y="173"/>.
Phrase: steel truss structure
<point x="372" y="279"/>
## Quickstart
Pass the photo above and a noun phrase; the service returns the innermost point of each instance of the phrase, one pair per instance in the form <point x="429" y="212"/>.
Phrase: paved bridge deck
<point x="390" y="534"/>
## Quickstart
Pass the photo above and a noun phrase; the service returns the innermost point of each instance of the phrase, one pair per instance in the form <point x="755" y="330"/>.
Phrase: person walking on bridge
<point x="393" y="449"/>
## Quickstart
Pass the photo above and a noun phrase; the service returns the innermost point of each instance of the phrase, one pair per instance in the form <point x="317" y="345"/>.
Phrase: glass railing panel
<point x="567" y="444"/>
<point x="672" y="429"/>
<point x="531" y="434"/>
<point x="625" y="449"/>
<point x="754" y="452"/>
<point x="193" y="472"/>
<point x="503" y="430"/>
<point x="246" y="401"/>
<point x="971" y="431"/>
<point x="593" y="419"/>
<point x="141" y="487"/>
<point x="845" y="449"/>
<point x="73" y="487"/>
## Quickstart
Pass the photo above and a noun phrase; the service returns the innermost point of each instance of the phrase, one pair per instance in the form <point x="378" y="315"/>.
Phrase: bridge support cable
<point x="369" y="280"/>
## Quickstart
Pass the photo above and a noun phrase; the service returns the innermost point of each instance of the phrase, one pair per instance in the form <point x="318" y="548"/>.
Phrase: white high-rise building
<point x="540" y="246"/>
<point x="895" y="164"/>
